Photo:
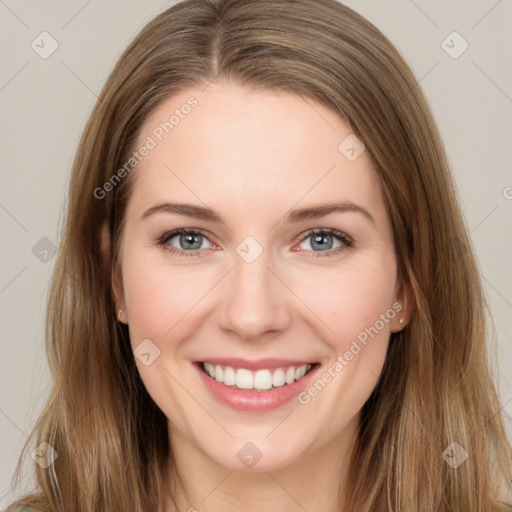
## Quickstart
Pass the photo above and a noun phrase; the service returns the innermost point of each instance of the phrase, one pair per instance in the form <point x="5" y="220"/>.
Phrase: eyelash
<point x="342" y="237"/>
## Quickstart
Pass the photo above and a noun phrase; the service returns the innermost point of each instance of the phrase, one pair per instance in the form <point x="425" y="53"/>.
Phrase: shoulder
<point x="21" y="509"/>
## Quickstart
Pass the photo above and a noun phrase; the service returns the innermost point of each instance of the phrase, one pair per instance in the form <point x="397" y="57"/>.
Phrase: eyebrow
<point x="294" y="216"/>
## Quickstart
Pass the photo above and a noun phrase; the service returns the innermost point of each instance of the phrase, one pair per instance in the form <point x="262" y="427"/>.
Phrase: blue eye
<point x="322" y="239"/>
<point x="190" y="242"/>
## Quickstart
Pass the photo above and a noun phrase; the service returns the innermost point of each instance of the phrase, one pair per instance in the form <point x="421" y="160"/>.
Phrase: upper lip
<point x="257" y="364"/>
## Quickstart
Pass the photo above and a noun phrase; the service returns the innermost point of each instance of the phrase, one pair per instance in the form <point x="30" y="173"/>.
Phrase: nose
<point x="257" y="303"/>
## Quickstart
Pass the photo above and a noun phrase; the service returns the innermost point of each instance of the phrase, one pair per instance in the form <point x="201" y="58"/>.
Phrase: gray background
<point x="44" y="105"/>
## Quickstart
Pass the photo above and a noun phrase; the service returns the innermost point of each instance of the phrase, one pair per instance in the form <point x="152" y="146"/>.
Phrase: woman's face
<point x="255" y="294"/>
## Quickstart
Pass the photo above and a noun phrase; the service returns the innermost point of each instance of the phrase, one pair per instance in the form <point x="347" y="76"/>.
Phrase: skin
<point x="252" y="156"/>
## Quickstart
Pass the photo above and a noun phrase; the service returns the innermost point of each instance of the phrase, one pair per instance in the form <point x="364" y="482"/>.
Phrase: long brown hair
<point x="436" y="387"/>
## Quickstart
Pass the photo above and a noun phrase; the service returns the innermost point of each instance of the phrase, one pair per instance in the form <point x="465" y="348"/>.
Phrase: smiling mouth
<point x="260" y="380"/>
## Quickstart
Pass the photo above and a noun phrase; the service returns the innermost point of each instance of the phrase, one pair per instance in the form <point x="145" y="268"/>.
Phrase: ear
<point x="402" y="305"/>
<point x="117" y="282"/>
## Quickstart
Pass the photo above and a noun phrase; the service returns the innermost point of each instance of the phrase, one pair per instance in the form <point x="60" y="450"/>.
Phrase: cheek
<point x="164" y="300"/>
<point x="158" y="297"/>
<point x="354" y="302"/>
<point x="160" y="301"/>
<point x="356" y="306"/>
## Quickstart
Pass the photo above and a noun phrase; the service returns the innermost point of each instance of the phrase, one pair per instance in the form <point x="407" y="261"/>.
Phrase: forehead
<point x="233" y="147"/>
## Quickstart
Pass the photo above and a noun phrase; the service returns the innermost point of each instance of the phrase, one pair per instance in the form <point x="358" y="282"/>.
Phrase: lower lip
<point x="255" y="401"/>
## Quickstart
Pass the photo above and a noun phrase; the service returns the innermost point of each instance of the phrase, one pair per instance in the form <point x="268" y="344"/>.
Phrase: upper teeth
<point x="259" y="380"/>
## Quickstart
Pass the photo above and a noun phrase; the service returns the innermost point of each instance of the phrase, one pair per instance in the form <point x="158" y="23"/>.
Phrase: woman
<point x="239" y="154"/>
